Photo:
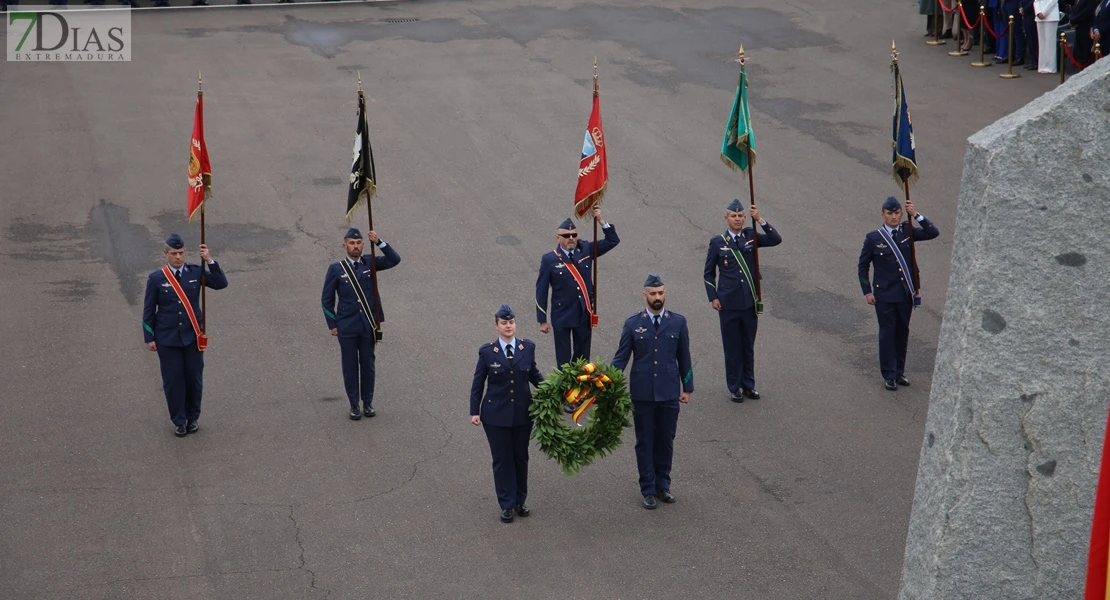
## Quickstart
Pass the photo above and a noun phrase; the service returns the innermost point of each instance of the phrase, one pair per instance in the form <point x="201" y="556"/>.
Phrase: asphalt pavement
<point x="477" y="111"/>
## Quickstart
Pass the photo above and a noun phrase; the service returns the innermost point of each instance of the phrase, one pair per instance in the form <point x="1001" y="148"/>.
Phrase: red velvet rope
<point x="998" y="35"/>
<point x="964" y="16"/>
<point x="947" y="10"/>
<point x="1067" y="49"/>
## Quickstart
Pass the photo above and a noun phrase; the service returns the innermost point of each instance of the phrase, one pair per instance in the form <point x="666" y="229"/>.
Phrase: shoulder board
<point x="634" y="316"/>
<point x="486" y="345"/>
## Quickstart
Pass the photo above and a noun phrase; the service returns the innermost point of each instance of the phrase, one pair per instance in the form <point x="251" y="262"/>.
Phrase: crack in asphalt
<point x="300" y="545"/>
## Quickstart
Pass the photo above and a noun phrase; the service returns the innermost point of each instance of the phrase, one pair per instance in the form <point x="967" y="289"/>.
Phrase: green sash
<point x="748" y="274"/>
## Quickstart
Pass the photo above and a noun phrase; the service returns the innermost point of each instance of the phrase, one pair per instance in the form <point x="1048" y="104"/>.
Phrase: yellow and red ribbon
<point x="582" y="396"/>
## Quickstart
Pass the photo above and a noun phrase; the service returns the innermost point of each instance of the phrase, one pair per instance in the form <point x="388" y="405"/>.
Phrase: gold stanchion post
<point x="982" y="38"/>
<point x="938" y="24"/>
<point x="1009" y="74"/>
<point x="1063" y="55"/>
<point x="959" y="51"/>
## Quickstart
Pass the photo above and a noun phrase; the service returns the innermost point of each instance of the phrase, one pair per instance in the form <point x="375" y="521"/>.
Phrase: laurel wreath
<point x="591" y="166"/>
<point x="577" y="447"/>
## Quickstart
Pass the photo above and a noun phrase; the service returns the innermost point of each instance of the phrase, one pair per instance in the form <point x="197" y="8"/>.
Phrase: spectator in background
<point x="950" y="19"/>
<point x="1048" y="16"/>
<point x="926" y="7"/>
<point x="1082" y="16"/>
<point x="1029" y="28"/>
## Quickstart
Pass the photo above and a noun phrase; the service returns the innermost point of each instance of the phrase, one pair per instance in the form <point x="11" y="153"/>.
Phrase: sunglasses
<point x="568" y="235"/>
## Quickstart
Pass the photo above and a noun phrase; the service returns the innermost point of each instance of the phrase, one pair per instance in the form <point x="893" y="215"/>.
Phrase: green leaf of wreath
<point x="576" y="447"/>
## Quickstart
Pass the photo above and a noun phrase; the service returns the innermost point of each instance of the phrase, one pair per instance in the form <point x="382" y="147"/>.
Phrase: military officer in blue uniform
<point x="890" y="291"/>
<point x="728" y="283"/>
<point x="661" y="379"/>
<point x="499" y="401"/>
<point x="568" y="272"/>
<point x="168" y="329"/>
<point x="351" y="312"/>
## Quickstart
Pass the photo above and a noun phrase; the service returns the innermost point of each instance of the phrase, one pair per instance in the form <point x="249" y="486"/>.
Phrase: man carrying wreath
<point x="661" y="379"/>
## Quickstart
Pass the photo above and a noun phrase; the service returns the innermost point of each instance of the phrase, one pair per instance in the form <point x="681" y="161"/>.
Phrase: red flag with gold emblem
<point x="200" y="170"/>
<point x="593" y="172"/>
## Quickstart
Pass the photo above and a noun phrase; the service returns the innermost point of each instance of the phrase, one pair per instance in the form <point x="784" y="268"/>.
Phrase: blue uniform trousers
<point x="738" y="329"/>
<point x="655" y="424"/>
<point x="894" y="336"/>
<point x="581" y="334"/>
<point x="182" y="381"/>
<point x="357" y="355"/>
<point x="509" y="448"/>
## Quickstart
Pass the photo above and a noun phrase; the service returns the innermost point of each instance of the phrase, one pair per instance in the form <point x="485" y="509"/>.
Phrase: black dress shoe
<point x="523" y="510"/>
<point x="901" y="380"/>
<point x="506" y="515"/>
<point x="1018" y="63"/>
<point x="649" y="502"/>
<point x="666" y="496"/>
<point x="947" y="35"/>
<point x="1030" y="67"/>
<point x="999" y="60"/>
<point x="751" y="393"/>
<point x="191" y="427"/>
<point x="567" y="408"/>
<point x="737" y="396"/>
<point x="368" y="411"/>
<point x="890" y="384"/>
<point x="355" y="414"/>
<point x="179" y="431"/>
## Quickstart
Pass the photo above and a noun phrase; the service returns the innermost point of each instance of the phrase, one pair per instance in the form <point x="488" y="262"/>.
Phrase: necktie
<point x="177" y="274"/>
<point x="655" y="318"/>
<point x="508" y="351"/>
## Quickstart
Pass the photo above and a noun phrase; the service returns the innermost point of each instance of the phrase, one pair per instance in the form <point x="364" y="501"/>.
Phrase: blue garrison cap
<point x="505" y="312"/>
<point x="175" y="241"/>
<point x="891" y="204"/>
<point x="653" y="280"/>
<point x="567" y="224"/>
<point x="352" y="234"/>
<point x="735" y="206"/>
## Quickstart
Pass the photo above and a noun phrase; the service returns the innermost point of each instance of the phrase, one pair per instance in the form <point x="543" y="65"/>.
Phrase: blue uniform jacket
<point x="347" y="316"/>
<point x="661" y="367"/>
<point x="888" y="281"/>
<point x="724" y="280"/>
<point x="507" y="395"/>
<point x="568" y="307"/>
<point x="165" y="321"/>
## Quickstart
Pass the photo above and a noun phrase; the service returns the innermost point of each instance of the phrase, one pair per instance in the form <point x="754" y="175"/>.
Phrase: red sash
<point x="202" y="340"/>
<point x="582" y="286"/>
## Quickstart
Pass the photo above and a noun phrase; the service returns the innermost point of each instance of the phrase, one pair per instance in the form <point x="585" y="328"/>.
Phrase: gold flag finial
<point x="199" y="82"/>
<point x="595" y="74"/>
<point x="740" y="57"/>
<point x="359" y="81"/>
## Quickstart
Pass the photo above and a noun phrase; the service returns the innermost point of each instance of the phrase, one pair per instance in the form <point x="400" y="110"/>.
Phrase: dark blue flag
<point x="904" y="162"/>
